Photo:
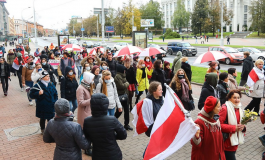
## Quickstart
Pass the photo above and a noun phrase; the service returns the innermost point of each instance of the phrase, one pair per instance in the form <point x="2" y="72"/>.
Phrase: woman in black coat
<point x="103" y="130"/>
<point x="4" y="75"/>
<point x="47" y="67"/>
<point x="69" y="86"/>
<point x="186" y="67"/>
<point x="180" y="84"/>
<point x="159" y="75"/>
<point x="168" y="71"/>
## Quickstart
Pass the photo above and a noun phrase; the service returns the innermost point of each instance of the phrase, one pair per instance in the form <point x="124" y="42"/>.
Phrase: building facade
<point x="24" y="27"/>
<point x="240" y="10"/>
<point x="11" y="23"/>
<point x="20" y="27"/>
<point x="4" y="27"/>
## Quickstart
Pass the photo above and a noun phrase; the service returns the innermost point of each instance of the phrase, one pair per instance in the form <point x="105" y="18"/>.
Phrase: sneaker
<point x="22" y="90"/>
<point x="31" y="103"/>
<point x="127" y="127"/>
<point x="262" y="141"/>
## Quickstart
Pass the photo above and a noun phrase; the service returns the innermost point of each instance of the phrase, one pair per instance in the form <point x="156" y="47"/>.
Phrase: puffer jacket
<point x="112" y="93"/>
<point x="103" y="130"/>
<point x="143" y="82"/>
<point x="69" y="139"/>
<point x="68" y="86"/>
<point x="177" y="63"/>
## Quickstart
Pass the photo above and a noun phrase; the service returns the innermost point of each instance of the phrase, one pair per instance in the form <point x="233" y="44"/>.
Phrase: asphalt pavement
<point x="169" y="58"/>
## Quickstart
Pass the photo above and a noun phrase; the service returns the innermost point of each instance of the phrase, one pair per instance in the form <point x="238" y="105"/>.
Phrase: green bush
<point x="160" y="37"/>
<point x="169" y="37"/>
<point x="250" y="29"/>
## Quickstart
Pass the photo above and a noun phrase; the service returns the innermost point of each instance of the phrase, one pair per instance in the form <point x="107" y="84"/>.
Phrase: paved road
<point x="169" y="58"/>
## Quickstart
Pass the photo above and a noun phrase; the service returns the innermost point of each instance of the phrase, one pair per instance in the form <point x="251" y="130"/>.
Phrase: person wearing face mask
<point x="208" y="88"/>
<point x="95" y="70"/>
<point x="148" y="65"/>
<point x="142" y="79"/>
<point x="45" y="94"/>
<point x="103" y="67"/>
<point x="222" y="87"/>
<point x="78" y="58"/>
<point x="232" y="83"/>
<point x="4" y="75"/>
<point x="68" y="88"/>
<point x="46" y="66"/>
<point x="214" y="68"/>
<point x="180" y="84"/>
<point x="86" y="68"/>
<point x="107" y="86"/>
<point x="168" y="71"/>
<point x="26" y="77"/>
<point x="186" y="67"/>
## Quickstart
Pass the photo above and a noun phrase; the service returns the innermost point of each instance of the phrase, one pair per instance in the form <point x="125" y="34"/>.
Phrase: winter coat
<point x="69" y="139"/>
<point x="121" y="83"/>
<point x="84" y="60"/>
<point x="148" y="65"/>
<point x="44" y="102"/>
<point x="168" y="74"/>
<point x="83" y="100"/>
<point x="96" y="79"/>
<point x="232" y="83"/>
<point x="77" y="59"/>
<point x="103" y="131"/>
<point x="61" y="69"/>
<point x="112" y="67"/>
<point x="179" y="94"/>
<point x="7" y="70"/>
<point x="160" y="76"/>
<point x="26" y="74"/>
<point x="143" y="82"/>
<point x="247" y="67"/>
<point x="112" y="93"/>
<point x="10" y="58"/>
<point x="222" y="91"/>
<point x="257" y="89"/>
<point x="187" y="68"/>
<point x="206" y="91"/>
<point x="131" y="75"/>
<point x="68" y="87"/>
<point x="210" y="144"/>
<point x="177" y="63"/>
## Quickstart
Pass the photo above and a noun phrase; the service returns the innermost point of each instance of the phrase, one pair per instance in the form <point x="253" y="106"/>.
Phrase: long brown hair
<point x="104" y="84"/>
<point x="176" y="80"/>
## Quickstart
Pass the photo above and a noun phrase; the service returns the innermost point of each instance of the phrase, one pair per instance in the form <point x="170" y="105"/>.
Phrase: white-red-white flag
<point x="254" y="75"/>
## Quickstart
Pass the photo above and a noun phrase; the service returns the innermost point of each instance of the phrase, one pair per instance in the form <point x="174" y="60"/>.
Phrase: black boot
<point x="127" y="127"/>
<point x="88" y="152"/>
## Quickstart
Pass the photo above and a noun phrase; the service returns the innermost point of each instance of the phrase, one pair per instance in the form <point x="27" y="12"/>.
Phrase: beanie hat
<point x="62" y="106"/>
<point x="43" y="74"/>
<point x="94" y="69"/>
<point x="210" y="104"/>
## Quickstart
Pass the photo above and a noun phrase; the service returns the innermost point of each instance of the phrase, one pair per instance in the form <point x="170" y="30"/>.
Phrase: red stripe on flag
<point x="140" y="126"/>
<point x="207" y="57"/>
<point x="253" y="75"/>
<point x="165" y="134"/>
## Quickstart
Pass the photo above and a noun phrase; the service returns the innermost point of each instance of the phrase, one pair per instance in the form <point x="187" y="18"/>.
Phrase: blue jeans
<point x="111" y="112"/>
<point x="29" y="84"/>
<point x="136" y="89"/>
<point x="79" y="68"/>
<point x="73" y="105"/>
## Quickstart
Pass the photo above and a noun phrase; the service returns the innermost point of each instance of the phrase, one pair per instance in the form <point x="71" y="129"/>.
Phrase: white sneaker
<point x="22" y="90"/>
<point x="30" y="103"/>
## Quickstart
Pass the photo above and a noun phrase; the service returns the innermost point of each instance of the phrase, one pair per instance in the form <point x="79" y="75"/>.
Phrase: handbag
<point x="262" y="117"/>
<point x="225" y="135"/>
<point x="123" y="98"/>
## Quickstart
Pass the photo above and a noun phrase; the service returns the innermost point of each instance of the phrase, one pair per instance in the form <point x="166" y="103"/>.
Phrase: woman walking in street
<point x="231" y="115"/>
<point x="95" y="70"/>
<point x="10" y="59"/>
<point x="256" y="86"/>
<point x="4" y="75"/>
<point x="68" y="88"/>
<point x="222" y="87"/>
<point x="45" y="94"/>
<point x="180" y="84"/>
<point x="208" y="141"/>
<point x="26" y="77"/>
<point x="46" y="66"/>
<point x="107" y="86"/>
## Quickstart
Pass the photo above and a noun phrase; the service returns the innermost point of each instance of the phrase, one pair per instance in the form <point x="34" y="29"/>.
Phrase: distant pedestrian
<point x="228" y="40"/>
<point x="216" y="36"/>
<point x="187" y="37"/>
<point x="196" y="42"/>
<point x="202" y="39"/>
<point x="163" y="38"/>
<point x="207" y="38"/>
<point x="182" y="38"/>
<point x="247" y="67"/>
<point x="4" y="75"/>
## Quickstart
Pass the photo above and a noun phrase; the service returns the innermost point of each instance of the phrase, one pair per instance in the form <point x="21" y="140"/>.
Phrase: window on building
<point x="245" y="8"/>
<point x="231" y="5"/>
<point x="175" y="4"/>
<point x="245" y="19"/>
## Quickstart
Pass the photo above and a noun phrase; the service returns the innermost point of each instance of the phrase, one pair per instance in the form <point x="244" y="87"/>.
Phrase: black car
<point x="184" y="47"/>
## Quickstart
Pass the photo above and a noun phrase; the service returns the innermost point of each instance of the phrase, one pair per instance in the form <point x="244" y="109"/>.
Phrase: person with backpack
<point x="26" y="77"/>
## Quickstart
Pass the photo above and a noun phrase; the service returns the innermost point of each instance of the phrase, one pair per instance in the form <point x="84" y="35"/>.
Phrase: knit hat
<point x="43" y="74"/>
<point x="19" y="54"/>
<point x="210" y="104"/>
<point x="94" y="69"/>
<point x="62" y="106"/>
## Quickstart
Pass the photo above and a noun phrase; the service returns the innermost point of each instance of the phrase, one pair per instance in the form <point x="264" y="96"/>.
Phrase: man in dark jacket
<point x="247" y="67"/>
<point x="68" y="135"/>
<point x="65" y="61"/>
<point x="103" y="130"/>
<point x="4" y="75"/>
<point x="112" y="65"/>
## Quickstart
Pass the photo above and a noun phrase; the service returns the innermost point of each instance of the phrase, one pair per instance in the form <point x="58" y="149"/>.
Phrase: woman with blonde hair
<point x="107" y="86"/>
<point x="180" y="84"/>
<point x="142" y="79"/>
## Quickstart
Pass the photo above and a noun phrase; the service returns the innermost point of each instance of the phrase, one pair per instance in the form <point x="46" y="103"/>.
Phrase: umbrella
<point x="128" y="50"/>
<point x="94" y="50"/>
<point x="150" y="52"/>
<point x="209" y="56"/>
<point x="72" y="47"/>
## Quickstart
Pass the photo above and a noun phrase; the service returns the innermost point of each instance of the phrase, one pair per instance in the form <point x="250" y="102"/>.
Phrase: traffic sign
<point x="109" y="29"/>
<point x="82" y="29"/>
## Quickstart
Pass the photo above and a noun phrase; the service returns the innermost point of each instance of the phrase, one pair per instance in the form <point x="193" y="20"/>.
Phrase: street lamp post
<point x="36" y="41"/>
<point x="222" y="38"/>
<point x="97" y="29"/>
<point x="103" y="20"/>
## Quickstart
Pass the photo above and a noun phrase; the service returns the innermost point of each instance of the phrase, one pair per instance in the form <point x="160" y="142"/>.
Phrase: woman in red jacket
<point x="208" y="144"/>
<point x="148" y="65"/>
<point x="230" y="117"/>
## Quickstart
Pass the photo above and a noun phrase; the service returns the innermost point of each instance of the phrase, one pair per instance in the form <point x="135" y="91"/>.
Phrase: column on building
<point x="228" y="8"/>
<point x="240" y="15"/>
<point x="165" y="15"/>
<point x="235" y="18"/>
<point x="169" y="15"/>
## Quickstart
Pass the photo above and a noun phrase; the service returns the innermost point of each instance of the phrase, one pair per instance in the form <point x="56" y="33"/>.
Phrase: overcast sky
<point x="55" y="14"/>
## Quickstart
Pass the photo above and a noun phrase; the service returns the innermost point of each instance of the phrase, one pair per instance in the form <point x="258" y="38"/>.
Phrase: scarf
<point x="185" y="90"/>
<point x="71" y="77"/>
<point x="212" y="126"/>
<point x="86" y="85"/>
<point x="37" y="51"/>
<point x="237" y="137"/>
<point x="143" y="74"/>
<point x="46" y="83"/>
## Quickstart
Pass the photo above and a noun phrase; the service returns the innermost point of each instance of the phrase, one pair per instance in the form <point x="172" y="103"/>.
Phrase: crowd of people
<point x="101" y="87"/>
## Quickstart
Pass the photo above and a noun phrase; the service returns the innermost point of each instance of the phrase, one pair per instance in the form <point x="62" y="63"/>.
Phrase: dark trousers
<point x="4" y="81"/>
<point x="19" y="74"/>
<point x="125" y="107"/>
<point x="42" y="123"/>
<point x="255" y="103"/>
<point x="139" y="95"/>
<point x="230" y="155"/>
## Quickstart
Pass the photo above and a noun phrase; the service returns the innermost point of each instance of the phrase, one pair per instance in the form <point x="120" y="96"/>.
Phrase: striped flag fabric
<point x="254" y="75"/>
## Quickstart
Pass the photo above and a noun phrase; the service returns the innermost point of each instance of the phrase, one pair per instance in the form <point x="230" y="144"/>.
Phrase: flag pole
<point x="186" y="113"/>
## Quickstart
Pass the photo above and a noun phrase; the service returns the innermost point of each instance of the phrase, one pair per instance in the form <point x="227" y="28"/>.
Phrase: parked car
<point x="103" y="44"/>
<point x="73" y="41"/>
<point x="88" y="44"/>
<point x="254" y="53"/>
<point x="120" y="45"/>
<point x="184" y="47"/>
<point x="156" y="46"/>
<point x="233" y="55"/>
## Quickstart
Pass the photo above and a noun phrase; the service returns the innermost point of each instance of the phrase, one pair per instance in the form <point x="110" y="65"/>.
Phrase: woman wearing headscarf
<point x="26" y="77"/>
<point x="208" y="88"/>
<point x="208" y="141"/>
<point x="37" y="53"/>
<point x="45" y="94"/>
<point x="231" y="115"/>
